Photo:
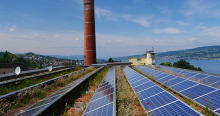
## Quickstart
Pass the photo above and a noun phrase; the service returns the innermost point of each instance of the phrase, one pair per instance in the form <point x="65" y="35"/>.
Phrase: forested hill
<point x="200" y="53"/>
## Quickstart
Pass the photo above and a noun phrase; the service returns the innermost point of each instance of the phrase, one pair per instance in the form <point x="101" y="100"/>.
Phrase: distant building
<point x="149" y="59"/>
<point x="10" y="67"/>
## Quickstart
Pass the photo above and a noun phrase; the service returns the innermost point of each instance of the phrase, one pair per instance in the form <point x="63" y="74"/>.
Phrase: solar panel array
<point x="202" y="94"/>
<point x="40" y="106"/>
<point x="103" y="101"/>
<point x="196" y="76"/>
<point x="155" y="100"/>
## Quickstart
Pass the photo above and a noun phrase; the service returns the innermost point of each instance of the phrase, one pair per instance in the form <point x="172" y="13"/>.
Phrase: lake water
<point x="209" y="66"/>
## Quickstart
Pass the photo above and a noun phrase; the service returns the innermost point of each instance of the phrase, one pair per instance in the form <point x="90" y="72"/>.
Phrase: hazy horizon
<point x="56" y="27"/>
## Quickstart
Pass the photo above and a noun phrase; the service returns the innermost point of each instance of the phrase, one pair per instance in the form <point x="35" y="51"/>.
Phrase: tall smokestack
<point x="89" y="32"/>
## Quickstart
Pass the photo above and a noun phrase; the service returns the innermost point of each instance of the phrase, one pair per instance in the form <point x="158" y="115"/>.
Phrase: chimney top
<point x="88" y="2"/>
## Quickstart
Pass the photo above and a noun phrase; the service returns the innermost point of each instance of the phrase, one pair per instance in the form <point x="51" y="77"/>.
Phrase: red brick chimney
<point x="89" y="32"/>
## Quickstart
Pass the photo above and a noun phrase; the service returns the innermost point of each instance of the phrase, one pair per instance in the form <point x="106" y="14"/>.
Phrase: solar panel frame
<point x="97" y="110"/>
<point x="200" y="104"/>
<point x="143" y="104"/>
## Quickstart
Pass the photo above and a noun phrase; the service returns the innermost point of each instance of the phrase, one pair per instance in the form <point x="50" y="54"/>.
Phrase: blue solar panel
<point x="183" y="85"/>
<point x="190" y="74"/>
<point x="213" y="100"/>
<point x="161" y="76"/>
<point x="199" y="77"/>
<point x="150" y="92"/>
<point x="144" y="86"/>
<point x="211" y="79"/>
<point x="197" y="91"/>
<point x="216" y="84"/>
<point x="139" y="82"/>
<point x="167" y="78"/>
<point x="151" y="96"/>
<point x="174" y="109"/>
<point x="106" y="110"/>
<point x="103" y="101"/>
<point x="218" y="111"/>
<point x="158" y="100"/>
<point x="200" y="93"/>
<point x="174" y="81"/>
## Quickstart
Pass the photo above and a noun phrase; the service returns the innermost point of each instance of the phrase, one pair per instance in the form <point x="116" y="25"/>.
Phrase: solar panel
<point x="174" y="81"/>
<point x="174" y="109"/>
<point x="166" y="78"/>
<point x="200" y="93"/>
<point x="197" y="91"/>
<point x="183" y="85"/>
<point x="40" y="106"/>
<point x="213" y="98"/>
<point x="197" y="76"/>
<point x="103" y="101"/>
<point x="154" y="99"/>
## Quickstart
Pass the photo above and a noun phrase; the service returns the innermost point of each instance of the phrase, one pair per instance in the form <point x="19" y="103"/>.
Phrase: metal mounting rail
<point x="10" y="76"/>
<point x="31" y="77"/>
<point x="42" y="105"/>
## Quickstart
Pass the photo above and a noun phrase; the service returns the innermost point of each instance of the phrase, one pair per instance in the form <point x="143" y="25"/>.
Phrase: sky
<point x="123" y="27"/>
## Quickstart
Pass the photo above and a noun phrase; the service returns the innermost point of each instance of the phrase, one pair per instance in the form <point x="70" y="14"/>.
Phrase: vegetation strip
<point x="193" y="104"/>
<point x="127" y="100"/>
<point x="23" y="99"/>
<point x="94" y="81"/>
<point x="61" y="93"/>
<point x="67" y="101"/>
<point x="29" y="82"/>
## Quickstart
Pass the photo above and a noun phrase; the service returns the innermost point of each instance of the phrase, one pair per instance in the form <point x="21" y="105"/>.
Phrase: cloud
<point x="56" y="36"/>
<point x="201" y="7"/>
<point x="79" y="17"/>
<point x="165" y="10"/>
<point x="144" y="20"/>
<point x="12" y="28"/>
<point x="23" y="39"/>
<point x="214" y="32"/>
<point x="100" y="12"/>
<point x="182" y="23"/>
<point x="77" y="39"/>
<point x="192" y="39"/>
<point x="79" y="1"/>
<point x="167" y="30"/>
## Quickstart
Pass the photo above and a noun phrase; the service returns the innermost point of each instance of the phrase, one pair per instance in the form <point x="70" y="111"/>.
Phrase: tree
<point x="21" y="59"/>
<point x="192" y="67"/>
<point x="199" y="69"/>
<point x="168" y="64"/>
<point x="6" y="54"/>
<point x="2" y="60"/>
<point x="182" y="64"/>
<point x="110" y="60"/>
<point x="162" y="63"/>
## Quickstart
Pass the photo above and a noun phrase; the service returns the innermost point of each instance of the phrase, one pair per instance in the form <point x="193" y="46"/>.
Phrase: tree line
<point x="181" y="64"/>
<point x="12" y="58"/>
